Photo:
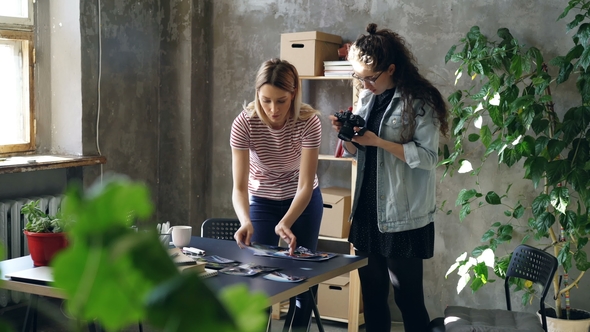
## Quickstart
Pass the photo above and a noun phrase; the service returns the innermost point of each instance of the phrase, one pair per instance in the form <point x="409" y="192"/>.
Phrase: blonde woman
<point x="275" y="144"/>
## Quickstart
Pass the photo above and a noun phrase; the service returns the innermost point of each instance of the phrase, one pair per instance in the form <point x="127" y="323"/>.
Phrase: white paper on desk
<point x="40" y="275"/>
<point x="278" y="276"/>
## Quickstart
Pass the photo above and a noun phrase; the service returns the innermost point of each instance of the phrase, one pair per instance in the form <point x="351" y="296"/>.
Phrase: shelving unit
<point x="355" y="317"/>
<point x="332" y="78"/>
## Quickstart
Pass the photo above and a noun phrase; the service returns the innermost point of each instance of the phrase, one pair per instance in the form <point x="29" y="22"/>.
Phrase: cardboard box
<point x="336" y="212"/>
<point x="333" y="297"/>
<point x="307" y="51"/>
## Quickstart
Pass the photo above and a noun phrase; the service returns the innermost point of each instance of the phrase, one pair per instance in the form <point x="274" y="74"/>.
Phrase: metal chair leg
<point x="290" y="315"/>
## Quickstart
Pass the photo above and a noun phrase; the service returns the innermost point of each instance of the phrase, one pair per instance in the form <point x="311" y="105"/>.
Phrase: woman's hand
<point x="368" y="138"/>
<point x="286" y="235"/>
<point x="244" y="234"/>
<point x="335" y="123"/>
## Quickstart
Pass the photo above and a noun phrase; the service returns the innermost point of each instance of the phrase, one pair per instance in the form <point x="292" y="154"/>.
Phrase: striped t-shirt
<point x="275" y="154"/>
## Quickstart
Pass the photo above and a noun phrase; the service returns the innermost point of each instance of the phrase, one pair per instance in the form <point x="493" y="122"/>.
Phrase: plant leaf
<point x="493" y="198"/>
<point x="564" y="257"/>
<point x="560" y="198"/>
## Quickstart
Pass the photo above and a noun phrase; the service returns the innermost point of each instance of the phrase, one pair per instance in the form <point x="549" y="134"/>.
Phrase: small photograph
<point x="218" y="259"/>
<point x="247" y="270"/>
<point x="301" y="253"/>
<point x="216" y="262"/>
<point x="282" y="277"/>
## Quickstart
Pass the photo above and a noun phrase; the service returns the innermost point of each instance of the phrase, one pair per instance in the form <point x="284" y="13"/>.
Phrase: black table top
<point x="316" y="272"/>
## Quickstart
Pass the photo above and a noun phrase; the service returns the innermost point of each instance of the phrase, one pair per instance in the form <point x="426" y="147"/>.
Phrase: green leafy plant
<point x="40" y="222"/>
<point x="118" y="277"/>
<point x="507" y="115"/>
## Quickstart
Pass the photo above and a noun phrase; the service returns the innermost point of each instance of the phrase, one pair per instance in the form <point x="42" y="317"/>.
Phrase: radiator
<point x="12" y="238"/>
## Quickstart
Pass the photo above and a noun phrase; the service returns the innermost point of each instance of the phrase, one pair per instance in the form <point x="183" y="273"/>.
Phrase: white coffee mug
<point x="181" y="235"/>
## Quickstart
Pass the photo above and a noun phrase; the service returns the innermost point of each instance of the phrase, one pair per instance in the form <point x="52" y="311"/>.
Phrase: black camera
<point x="349" y="121"/>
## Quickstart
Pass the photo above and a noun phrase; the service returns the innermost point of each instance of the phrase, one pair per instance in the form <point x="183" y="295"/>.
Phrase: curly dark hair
<point x="381" y="48"/>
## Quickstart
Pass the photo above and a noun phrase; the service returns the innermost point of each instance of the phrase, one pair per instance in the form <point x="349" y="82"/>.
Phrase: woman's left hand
<point x="286" y="235"/>
<point x="369" y="138"/>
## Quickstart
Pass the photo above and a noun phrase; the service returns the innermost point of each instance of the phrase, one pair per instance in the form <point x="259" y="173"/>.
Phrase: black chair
<point x="527" y="263"/>
<point x="220" y="228"/>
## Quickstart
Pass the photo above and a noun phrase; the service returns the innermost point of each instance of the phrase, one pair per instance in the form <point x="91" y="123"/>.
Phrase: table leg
<point x="291" y="313"/>
<point x="354" y="298"/>
<point x="31" y="314"/>
<point x="316" y="312"/>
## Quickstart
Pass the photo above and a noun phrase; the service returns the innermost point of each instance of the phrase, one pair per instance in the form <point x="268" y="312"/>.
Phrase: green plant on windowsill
<point x="37" y="221"/>
<point x="45" y="233"/>
<point x="118" y="277"/>
<point x="507" y="111"/>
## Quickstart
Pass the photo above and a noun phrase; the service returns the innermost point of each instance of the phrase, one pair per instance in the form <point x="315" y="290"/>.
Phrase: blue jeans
<point x="265" y="215"/>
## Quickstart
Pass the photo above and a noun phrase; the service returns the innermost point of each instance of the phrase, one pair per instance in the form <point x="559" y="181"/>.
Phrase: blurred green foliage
<point x="118" y="277"/>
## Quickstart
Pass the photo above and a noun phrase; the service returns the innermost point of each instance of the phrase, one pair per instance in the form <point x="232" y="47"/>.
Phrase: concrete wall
<point x="175" y="74"/>
<point x="154" y="92"/>
<point x="246" y="33"/>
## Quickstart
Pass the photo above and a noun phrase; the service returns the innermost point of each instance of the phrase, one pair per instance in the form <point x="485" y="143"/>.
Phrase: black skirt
<point x="364" y="232"/>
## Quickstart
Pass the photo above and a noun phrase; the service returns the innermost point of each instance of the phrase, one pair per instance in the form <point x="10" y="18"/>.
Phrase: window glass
<point x="14" y="93"/>
<point x="14" y="8"/>
<point x="17" y="129"/>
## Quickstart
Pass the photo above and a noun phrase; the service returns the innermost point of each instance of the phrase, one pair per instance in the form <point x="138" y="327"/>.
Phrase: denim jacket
<point x="405" y="190"/>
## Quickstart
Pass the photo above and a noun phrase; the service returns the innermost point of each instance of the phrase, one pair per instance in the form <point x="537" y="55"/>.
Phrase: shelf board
<point x="335" y="239"/>
<point x="331" y="157"/>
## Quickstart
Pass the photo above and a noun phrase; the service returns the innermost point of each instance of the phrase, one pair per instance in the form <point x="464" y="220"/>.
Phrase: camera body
<point x="349" y="121"/>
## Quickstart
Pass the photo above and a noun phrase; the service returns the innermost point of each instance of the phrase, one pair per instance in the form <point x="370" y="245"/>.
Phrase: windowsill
<point x="44" y="162"/>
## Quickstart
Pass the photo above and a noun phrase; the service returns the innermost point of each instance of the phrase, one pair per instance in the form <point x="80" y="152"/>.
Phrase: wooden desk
<point x="24" y="263"/>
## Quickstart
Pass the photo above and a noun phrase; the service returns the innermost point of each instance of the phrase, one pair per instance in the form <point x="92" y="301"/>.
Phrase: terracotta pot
<point x="43" y="246"/>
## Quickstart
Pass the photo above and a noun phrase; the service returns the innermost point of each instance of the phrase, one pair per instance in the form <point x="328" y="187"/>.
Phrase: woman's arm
<point x="240" y="201"/>
<point x="307" y="171"/>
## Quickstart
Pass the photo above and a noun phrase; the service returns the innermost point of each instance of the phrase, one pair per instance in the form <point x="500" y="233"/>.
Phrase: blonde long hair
<point x="283" y="75"/>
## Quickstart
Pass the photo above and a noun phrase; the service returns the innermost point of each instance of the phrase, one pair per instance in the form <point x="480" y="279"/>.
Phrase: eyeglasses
<point x="370" y="80"/>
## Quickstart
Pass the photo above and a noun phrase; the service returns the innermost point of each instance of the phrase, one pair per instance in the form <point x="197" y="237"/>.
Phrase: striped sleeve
<point x="240" y="132"/>
<point x="312" y="133"/>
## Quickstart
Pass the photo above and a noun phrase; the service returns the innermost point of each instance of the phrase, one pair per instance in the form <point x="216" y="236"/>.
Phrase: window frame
<point x="22" y="30"/>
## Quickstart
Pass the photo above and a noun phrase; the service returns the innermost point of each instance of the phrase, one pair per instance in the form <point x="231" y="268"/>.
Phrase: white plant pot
<point x="564" y="325"/>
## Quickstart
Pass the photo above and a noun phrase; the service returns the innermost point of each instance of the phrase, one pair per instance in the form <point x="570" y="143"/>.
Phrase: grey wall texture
<point x="245" y="33"/>
<point x="176" y="73"/>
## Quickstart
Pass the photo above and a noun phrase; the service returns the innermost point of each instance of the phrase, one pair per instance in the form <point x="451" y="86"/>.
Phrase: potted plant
<point x="507" y="115"/>
<point x="45" y="234"/>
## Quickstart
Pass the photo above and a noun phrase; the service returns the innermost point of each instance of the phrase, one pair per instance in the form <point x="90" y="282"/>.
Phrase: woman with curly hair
<point x="394" y="201"/>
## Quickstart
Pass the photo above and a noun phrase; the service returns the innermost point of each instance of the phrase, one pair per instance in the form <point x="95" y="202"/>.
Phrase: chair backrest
<point x="532" y="264"/>
<point x="220" y="228"/>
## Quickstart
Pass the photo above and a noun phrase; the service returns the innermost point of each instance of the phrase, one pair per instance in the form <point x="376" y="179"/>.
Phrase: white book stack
<point x="337" y="68"/>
